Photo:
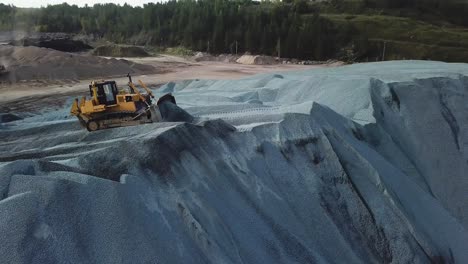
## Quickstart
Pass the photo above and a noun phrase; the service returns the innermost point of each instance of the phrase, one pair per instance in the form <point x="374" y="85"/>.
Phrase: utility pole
<point x="279" y="47"/>
<point x="384" y="48"/>
<point x="236" y="47"/>
<point x="208" y="48"/>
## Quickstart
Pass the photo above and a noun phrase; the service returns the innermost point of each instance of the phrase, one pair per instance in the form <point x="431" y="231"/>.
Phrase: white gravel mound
<point x="358" y="164"/>
<point x="256" y="60"/>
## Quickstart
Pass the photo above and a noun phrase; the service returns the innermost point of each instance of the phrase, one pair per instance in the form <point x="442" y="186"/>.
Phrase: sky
<point x="39" y="3"/>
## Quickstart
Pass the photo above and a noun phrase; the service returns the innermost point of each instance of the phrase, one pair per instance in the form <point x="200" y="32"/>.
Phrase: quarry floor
<point x="31" y="95"/>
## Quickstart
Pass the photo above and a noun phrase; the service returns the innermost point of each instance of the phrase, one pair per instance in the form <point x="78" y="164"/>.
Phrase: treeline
<point x="292" y="28"/>
<point x="216" y="26"/>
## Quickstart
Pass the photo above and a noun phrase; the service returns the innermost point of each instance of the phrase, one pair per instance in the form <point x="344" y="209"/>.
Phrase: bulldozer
<point x="110" y="106"/>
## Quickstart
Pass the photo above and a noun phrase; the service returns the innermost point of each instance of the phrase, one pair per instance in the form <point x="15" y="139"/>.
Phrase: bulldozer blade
<point x="166" y="98"/>
<point x="155" y="114"/>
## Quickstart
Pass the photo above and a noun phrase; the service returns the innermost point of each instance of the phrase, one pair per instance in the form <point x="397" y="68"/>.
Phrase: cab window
<point x="108" y="92"/>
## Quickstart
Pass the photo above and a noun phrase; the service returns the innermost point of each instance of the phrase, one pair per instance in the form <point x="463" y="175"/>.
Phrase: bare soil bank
<point x="32" y="63"/>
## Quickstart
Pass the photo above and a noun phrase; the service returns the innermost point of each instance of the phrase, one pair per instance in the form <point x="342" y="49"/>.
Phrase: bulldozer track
<point x="114" y="115"/>
<point x="117" y="119"/>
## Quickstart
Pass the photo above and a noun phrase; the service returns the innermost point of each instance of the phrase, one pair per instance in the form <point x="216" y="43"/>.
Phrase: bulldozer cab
<point x="106" y="92"/>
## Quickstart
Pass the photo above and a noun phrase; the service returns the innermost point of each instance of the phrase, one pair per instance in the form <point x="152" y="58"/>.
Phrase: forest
<point x="291" y="28"/>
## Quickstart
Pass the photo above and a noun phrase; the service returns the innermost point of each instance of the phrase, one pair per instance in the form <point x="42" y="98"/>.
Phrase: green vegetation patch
<point x="403" y="38"/>
<point x="402" y="29"/>
<point x="179" y="51"/>
<point x="120" y="51"/>
<point x="400" y="50"/>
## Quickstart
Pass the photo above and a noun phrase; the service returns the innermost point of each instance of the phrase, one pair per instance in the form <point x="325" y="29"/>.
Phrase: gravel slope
<point x="357" y="164"/>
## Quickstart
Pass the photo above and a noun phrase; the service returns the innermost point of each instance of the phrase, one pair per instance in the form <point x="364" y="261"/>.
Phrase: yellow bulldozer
<point x="110" y="106"/>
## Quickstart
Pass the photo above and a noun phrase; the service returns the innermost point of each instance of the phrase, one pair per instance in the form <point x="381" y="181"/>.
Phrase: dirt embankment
<point x="33" y="63"/>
